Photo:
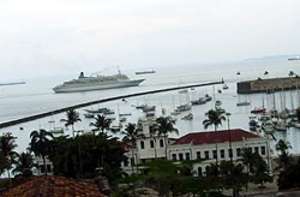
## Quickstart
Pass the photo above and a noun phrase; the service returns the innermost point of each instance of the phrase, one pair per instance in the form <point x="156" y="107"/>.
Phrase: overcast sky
<point x="42" y="37"/>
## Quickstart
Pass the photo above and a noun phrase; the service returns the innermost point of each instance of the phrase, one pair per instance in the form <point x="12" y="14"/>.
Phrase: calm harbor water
<point x="37" y="96"/>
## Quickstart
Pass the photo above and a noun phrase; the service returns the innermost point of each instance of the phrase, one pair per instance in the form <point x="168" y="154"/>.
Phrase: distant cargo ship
<point x="99" y="82"/>
<point x="12" y="83"/>
<point x="294" y="58"/>
<point x="145" y="72"/>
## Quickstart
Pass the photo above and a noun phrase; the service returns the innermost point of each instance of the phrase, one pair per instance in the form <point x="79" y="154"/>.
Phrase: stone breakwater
<point x="268" y="85"/>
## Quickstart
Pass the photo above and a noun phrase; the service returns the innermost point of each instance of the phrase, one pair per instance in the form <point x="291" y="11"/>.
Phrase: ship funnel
<point x="81" y="75"/>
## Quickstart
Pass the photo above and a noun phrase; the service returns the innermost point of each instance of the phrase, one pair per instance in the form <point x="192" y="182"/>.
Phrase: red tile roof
<point x="212" y="137"/>
<point x="53" y="186"/>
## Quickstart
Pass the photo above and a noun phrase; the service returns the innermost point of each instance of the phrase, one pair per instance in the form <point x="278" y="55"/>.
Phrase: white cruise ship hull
<point x="97" y="86"/>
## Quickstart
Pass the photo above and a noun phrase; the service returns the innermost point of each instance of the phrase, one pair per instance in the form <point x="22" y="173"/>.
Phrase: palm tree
<point x="7" y="146"/>
<point x="72" y="118"/>
<point x="132" y="134"/>
<point x="248" y="160"/>
<point x="101" y="123"/>
<point x="24" y="164"/>
<point x="40" y="144"/>
<point x="165" y="125"/>
<point x="215" y="119"/>
<point x="284" y="157"/>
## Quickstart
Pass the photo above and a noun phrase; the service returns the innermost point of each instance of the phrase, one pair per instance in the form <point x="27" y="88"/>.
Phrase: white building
<point x="202" y="146"/>
<point x="197" y="146"/>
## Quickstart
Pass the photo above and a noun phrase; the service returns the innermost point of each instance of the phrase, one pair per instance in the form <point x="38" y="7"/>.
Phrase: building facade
<point x="204" y="147"/>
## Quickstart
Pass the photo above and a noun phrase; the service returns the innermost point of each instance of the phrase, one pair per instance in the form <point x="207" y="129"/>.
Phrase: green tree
<point x="215" y="118"/>
<point x="24" y="164"/>
<point x="72" y="118"/>
<point x="131" y="135"/>
<point x="165" y="126"/>
<point x="233" y="177"/>
<point x="7" y="147"/>
<point x="284" y="157"/>
<point x="40" y="144"/>
<point x="101" y="123"/>
<point x="97" y="150"/>
<point x="260" y="174"/>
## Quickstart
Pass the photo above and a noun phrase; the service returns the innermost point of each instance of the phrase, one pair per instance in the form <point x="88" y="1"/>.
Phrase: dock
<point x="268" y="85"/>
<point x="86" y="104"/>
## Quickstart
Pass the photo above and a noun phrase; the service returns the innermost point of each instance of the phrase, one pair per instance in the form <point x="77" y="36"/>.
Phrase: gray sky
<point x="43" y="37"/>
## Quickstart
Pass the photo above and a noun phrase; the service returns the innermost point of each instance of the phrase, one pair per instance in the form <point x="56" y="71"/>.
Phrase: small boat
<point x="123" y="119"/>
<point x="57" y="131"/>
<point x="116" y="128"/>
<point x="225" y="87"/>
<point x="188" y="117"/>
<point x="103" y="110"/>
<point x="208" y="98"/>
<point x="199" y="101"/>
<point x="89" y="116"/>
<point x="258" y="111"/>
<point x="141" y="106"/>
<point x="253" y="125"/>
<point x="218" y="103"/>
<point x="145" y="72"/>
<point x="183" y="108"/>
<point x="150" y="114"/>
<point x="175" y="113"/>
<point x="183" y="91"/>
<point x="148" y="108"/>
<point x="244" y="103"/>
<point x="125" y="114"/>
<point x="238" y="73"/>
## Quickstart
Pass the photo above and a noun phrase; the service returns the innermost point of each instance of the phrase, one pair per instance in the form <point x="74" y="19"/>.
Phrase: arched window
<point x="199" y="171"/>
<point x="142" y="144"/>
<point x="161" y="143"/>
<point x="152" y="144"/>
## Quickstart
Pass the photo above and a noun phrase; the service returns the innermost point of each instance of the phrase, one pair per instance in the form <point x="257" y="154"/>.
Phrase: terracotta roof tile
<point x="53" y="186"/>
<point x="212" y="137"/>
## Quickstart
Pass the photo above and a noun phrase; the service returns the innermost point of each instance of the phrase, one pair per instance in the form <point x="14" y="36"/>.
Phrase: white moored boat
<point x="99" y="82"/>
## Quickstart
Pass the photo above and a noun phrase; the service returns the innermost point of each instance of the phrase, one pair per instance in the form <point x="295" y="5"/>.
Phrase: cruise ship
<point x="99" y="82"/>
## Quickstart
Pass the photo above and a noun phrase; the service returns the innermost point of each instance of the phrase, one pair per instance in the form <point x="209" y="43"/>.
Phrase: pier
<point x="86" y="104"/>
<point x="268" y="85"/>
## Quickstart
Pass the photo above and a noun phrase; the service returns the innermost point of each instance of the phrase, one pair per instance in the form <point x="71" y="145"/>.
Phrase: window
<point x="222" y="153"/>
<point x="131" y="161"/>
<point x="142" y="145"/>
<point x="42" y="167"/>
<point x="126" y="162"/>
<point x="49" y="168"/>
<point x="174" y="157"/>
<point x="256" y="150"/>
<point x="230" y="153"/>
<point x="207" y="170"/>
<point x="198" y="155"/>
<point x="263" y="150"/>
<point x="238" y="152"/>
<point x="180" y="156"/>
<point x="187" y="156"/>
<point x="206" y="153"/>
<point x="214" y="154"/>
<point x="161" y="143"/>
<point x="152" y="144"/>
<point x="199" y="171"/>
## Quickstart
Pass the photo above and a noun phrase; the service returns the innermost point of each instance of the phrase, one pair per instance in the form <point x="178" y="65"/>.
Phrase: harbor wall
<point x="268" y="85"/>
<point x="86" y="104"/>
